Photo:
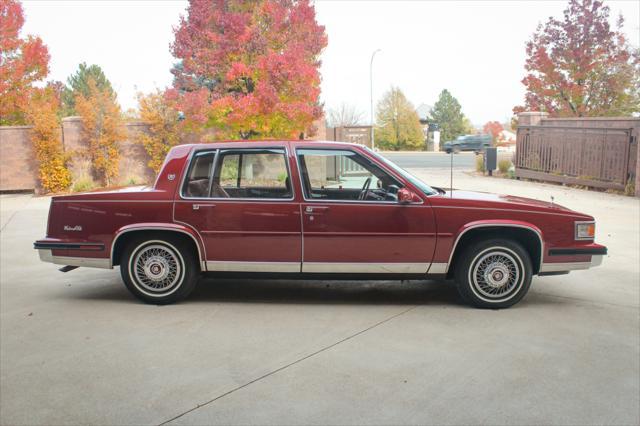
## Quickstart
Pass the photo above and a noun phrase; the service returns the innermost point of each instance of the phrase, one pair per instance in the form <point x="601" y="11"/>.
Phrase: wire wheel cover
<point x="156" y="268"/>
<point x="496" y="274"/>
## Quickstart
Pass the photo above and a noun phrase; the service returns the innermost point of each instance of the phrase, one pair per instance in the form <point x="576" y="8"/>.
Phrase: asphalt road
<point x="76" y="348"/>
<point x="465" y="160"/>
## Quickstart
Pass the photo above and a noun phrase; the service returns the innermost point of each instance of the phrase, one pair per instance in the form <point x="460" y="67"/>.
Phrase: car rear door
<point x="241" y="202"/>
<point x="346" y="235"/>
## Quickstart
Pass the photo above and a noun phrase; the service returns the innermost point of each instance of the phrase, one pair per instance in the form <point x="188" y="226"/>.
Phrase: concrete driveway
<point x="76" y="348"/>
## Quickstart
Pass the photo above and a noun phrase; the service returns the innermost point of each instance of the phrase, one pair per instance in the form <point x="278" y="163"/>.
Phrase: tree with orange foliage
<point x="249" y="69"/>
<point x="42" y="114"/>
<point x="102" y="126"/>
<point x="579" y="66"/>
<point x="493" y="128"/>
<point x="23" y="61"/>
<point x="164" y="127"/>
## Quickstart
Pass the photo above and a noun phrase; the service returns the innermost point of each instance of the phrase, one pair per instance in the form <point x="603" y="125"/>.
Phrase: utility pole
<point x="371" y="87"/>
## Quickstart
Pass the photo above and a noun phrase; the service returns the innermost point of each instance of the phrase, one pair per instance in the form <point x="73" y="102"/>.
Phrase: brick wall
<point x="19" y="169"/>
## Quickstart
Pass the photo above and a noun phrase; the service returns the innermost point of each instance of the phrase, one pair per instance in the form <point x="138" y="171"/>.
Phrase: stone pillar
<point x="531" y="118"/>
<point x="637" y="132"/>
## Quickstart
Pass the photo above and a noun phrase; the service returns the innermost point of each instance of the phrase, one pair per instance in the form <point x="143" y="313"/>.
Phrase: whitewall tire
<point x="159" y="269"/>
<point x="493" y="274"/>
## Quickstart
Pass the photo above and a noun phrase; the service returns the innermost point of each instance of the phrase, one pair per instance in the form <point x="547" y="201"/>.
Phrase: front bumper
<point x="595" y="251"/>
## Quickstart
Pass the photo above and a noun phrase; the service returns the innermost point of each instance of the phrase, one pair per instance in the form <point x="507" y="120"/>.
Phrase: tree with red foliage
<point x="249" y="69"/>
<point x="579" y="66"/>
<point x="23" y="61"/>
<point x="492" y="128"/>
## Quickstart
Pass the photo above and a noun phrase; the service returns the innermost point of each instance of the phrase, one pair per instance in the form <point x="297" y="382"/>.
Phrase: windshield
<point x="426" y="189"/>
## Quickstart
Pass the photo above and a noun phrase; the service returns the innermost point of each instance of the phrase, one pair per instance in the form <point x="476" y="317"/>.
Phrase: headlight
<point x="585" y="230"/>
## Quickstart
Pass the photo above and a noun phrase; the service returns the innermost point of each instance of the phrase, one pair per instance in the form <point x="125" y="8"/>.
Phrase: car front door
<point x="352" y="221"/>
<point x="242" y="204"/>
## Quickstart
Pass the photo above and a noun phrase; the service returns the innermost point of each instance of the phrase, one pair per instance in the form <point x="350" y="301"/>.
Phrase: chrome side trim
<point x="572" y="266"/>
<point x="155" y="228"/>
<point x="438" y="268"/>
<point x="90" y="262"/>
<point x="232" y="266"/>
<point x="489" y="225"/>
<point x="365" y="268"/>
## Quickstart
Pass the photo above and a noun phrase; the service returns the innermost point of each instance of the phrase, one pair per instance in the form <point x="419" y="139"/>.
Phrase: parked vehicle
<point x="312" y="210"/>
<point x="475" y="143"/>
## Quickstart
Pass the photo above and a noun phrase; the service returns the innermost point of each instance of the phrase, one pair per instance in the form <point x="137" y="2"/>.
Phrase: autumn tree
<point x="102" y="128"/>
<point x="43" y="114"/>
<point x="580" y="66"/>
<point x="344" y="115"/>
<point x="249" y="69"/>
<point x="164" y="127"/>
<point x="78" y="84"/>
<point x="23" y="61"/>
<point x="397" y="123"/>
<point x="493" y="128"/>
<point x="447" y="114"/>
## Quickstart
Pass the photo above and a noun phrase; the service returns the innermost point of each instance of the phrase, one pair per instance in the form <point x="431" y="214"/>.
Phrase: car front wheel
<point x="159" y="269"/>
<point x="493" y="274"/>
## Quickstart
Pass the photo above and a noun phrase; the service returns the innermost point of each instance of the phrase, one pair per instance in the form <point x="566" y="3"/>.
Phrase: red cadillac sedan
<point x="312" y="210"/>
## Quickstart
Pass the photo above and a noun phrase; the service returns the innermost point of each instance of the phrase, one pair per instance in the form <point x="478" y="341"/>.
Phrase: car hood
<point x="520" y="203"/>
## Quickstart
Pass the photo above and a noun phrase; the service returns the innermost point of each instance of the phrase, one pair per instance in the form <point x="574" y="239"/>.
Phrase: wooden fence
<point x="598" y="154"/>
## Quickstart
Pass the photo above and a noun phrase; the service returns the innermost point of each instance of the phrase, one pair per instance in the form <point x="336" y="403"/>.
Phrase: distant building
<point x="423" y="115"/>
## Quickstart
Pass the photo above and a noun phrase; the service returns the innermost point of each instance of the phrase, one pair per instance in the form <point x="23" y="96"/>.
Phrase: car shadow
<point x="414" y="292"/>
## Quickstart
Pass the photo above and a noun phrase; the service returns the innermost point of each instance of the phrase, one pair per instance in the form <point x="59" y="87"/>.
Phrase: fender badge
<point x="171" y="176"/>
<point x="74" y="228"/>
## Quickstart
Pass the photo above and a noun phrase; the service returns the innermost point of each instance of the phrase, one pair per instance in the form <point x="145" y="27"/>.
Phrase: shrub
<point x="479" y="163"/>
<point x="83" y="184"/>
<point x="503" y="166"/>
<point x="45" y="136"/>
<point x="164" y="130"/>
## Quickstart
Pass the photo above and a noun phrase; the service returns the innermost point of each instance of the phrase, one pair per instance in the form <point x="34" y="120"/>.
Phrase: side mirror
<point x="408" y="197"/>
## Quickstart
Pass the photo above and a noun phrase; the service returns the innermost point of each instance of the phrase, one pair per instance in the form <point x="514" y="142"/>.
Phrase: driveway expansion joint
<point x="284" y="367"/>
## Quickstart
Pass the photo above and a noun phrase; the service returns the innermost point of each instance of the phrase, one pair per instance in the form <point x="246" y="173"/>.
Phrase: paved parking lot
<point x="76" y="348"/>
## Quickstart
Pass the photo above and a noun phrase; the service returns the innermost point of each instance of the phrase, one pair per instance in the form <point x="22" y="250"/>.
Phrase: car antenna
<point x="451" y="175"/>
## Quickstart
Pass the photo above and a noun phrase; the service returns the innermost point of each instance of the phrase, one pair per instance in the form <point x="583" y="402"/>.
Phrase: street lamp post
<point x="373" y="143"/>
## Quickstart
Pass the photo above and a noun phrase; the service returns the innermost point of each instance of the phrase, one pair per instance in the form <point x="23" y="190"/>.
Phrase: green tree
<point x="397" y="123"/>
<point x="78" y="85"/>
<point x="447" y="114"/>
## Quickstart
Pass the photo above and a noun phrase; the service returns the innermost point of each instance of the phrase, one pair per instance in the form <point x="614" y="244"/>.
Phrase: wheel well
<point x="125" y="238"/>
<point x="527" y="237"/>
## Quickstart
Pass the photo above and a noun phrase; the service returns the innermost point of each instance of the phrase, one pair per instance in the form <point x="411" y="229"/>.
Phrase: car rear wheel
<point x="493" y="274"/>
<point x="159" y="269"/>
<point x="456" y="150"/>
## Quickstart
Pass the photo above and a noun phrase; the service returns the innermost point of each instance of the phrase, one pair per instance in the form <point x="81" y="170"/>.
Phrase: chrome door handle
<point x="316" y="209"/>
<point x="197" y="206"/>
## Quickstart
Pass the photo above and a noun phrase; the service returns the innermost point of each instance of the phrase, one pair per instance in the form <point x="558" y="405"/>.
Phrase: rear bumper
<point x="45" y="251"/>
<point x="90" y="262"/>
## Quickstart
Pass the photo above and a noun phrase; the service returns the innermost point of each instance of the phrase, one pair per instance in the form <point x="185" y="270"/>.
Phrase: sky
<point x="475" y="49"/>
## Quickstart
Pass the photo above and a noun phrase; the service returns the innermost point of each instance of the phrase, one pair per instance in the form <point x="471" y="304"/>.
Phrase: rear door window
<point x="198" y="181"/>
<point x="252" y="173"/>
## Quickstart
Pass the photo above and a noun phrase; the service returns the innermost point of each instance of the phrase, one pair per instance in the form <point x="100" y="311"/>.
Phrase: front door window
<point x="344" y="175"/>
